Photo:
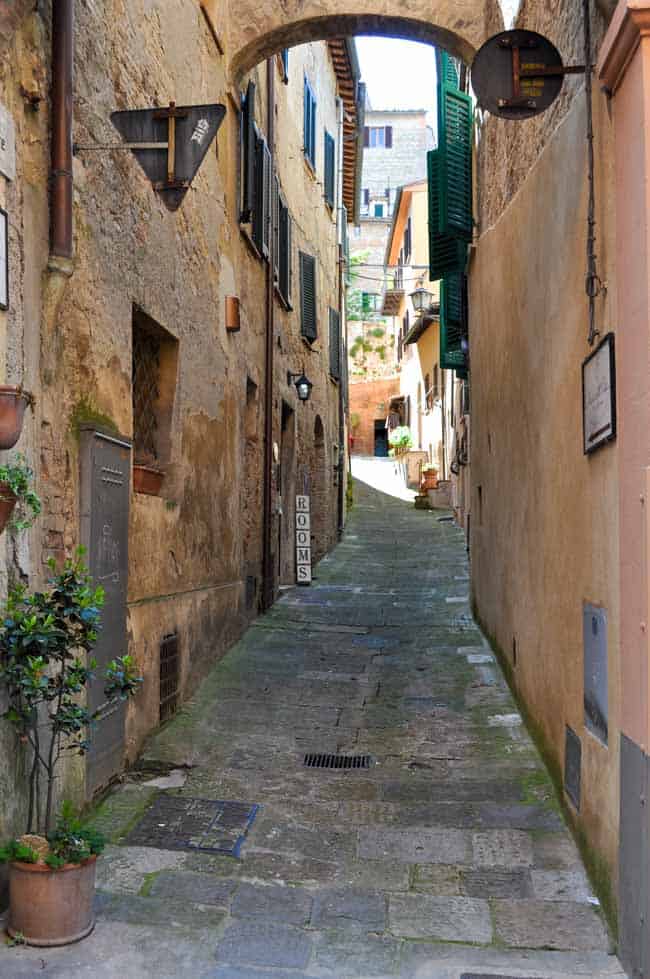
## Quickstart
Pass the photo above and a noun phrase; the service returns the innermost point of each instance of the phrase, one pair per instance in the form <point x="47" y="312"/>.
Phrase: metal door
<point x="105" y="489"/>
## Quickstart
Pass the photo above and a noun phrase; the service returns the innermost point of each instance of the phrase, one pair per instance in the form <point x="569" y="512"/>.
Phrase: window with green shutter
<point x="330" y="170"/>
<point x="248" y="151"/>
<point x="309" y="124"/>
<point x="308" y="315"/>
<point x="285" y="252"/>
<point x="446" y="252"/>
<point x="262" y="203"/>
<point x="453" y="322"/>
<point x="335" y="344"/>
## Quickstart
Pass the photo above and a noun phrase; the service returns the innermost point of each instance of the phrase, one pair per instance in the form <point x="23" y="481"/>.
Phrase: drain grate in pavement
<point x="485" y="975"/>
<point x="336" y="761"/>
<point x="175" y="822"/>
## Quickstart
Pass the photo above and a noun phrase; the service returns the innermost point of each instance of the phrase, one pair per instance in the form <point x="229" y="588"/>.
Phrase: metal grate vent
<point x="169" y="676"/>
<point x="339" y="762"/>
<point x="572" y="766"/>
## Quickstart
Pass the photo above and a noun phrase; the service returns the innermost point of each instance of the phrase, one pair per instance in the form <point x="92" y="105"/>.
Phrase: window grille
<point x="145" y="380"/>
<point x="169" y="676"/>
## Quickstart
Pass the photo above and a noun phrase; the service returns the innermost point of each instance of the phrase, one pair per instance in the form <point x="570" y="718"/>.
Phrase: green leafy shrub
<point x="18" y="477"/>
<point x="400" y="437"/>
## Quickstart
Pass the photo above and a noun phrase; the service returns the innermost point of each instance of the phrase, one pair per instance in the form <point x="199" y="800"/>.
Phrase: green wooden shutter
<point x="453" y="322"/>
<point x="330" y="166"/>
<point x="455" y="172"/>
<point x="335" y="344"/>
<point x="263" y="198"/>
<point x="308" y="320"/>
<point x="446" y="68"/>
<point x="284" y="258"/>
<point x="446" y="252"/>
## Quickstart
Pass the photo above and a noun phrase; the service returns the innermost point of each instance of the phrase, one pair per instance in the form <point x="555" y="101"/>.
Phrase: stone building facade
<point x="174" y="339"/>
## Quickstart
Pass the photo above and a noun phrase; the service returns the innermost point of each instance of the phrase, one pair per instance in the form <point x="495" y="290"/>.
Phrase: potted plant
<point x="147" y="477"/>
<point x="13" y="401"/>
<point x="16" y="488"/>
<point x="400" y="439"/>
<point x="429" y="477"/>
<point x="45" y="642"/>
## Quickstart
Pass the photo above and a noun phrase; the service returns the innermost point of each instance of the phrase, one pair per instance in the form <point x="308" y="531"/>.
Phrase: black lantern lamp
<point x="421" y="299"/>
<point x="301" y="383"/>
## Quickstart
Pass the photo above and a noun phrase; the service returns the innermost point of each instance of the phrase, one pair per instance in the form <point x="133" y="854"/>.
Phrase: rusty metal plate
<point x="174" y="822"/>
<point x="495" y="84"/>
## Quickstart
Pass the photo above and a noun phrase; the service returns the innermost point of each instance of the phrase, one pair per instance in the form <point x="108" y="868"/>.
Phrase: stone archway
<point x="258" y="31"/>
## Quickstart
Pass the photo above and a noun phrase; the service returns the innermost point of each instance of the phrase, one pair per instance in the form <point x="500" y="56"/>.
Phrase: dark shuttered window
<point x="308" y="317"/>
<point x="248" y="147"/>
<point x="330" y="170"/>
<point x="335" y="344"/>
<point x="275" y="226"/>
<point x="285" y="253"/>
<point x="263" y="198"/>
<point x="309" y="125"/>
<point x="284" y="58"/>
<point x="453" y="322"/>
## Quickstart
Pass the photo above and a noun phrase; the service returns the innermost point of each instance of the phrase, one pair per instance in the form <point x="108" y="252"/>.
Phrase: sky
<point x="399" y="74"/>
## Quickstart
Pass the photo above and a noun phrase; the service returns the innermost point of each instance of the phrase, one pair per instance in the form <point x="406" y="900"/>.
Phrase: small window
<point x="379" y="210"/>
<point x="378" y="137"/>
<point x="308" y="315"/>
<point x="284" y="61"/>
<point x="153" y="378"/>
<point x="330" y="170"/>
<point x="335" y="344"/>
<point x="309" y="125"/>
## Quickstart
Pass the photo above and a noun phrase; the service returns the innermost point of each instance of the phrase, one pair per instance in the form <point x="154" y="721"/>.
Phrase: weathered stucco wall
<point x="543" y="516"/>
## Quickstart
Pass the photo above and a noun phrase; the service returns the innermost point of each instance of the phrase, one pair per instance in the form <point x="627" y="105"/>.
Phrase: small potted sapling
<point x="45" y="665"/>
<point x="429" y="477"/>
<point x="16" y="489"/>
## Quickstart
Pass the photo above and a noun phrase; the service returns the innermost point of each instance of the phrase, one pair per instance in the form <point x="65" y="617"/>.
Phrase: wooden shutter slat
<point x="446" y="252"/>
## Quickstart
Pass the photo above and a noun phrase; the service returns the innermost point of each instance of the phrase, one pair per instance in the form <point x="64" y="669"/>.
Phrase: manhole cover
<point x="174" y="822"/>
<point x="339" y="762"/>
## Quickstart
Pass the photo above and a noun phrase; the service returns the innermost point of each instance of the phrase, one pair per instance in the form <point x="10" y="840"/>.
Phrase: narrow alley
<point x="446" y="857"/>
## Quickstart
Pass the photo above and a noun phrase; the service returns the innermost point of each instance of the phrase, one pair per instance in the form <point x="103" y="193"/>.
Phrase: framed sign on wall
<point x="599" y="396"/>
<point x="4" y="260"/>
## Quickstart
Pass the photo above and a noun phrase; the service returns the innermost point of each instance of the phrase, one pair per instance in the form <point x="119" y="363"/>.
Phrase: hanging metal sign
<point x="303" y="540"/>
<point x="170" y="143"/>
<point x="518" y="74"/>
<point x="599" y="395"/>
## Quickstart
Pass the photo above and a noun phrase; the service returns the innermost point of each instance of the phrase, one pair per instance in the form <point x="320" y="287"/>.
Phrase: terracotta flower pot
<point x="147" y="480"/>
<point x="7" y="503"/>
<point x="13" y="402"/>
<point x="51" y="907"/>
<point x="430" y="479"/>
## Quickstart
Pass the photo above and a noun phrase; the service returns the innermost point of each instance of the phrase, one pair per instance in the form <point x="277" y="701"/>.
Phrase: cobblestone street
<point x="447" y="857"/>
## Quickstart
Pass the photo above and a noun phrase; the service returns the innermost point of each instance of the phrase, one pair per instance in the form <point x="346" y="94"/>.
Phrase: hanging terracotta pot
<point x="13" y="401"/>
<point x="147" y="480"/>
<point x="51" y="907"/>
<point x="8" y="501"/>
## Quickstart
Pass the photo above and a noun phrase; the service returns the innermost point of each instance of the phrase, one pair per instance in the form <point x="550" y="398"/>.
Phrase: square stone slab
<point x="193" y="888"/>
<point x="264" y="944"/>
<point x="347" y="907"/>
<point x="292" y="905"/>
<point x="447" y="846"/>
<point x="561" y="926"/>
<point x="446" y="919"/>
<point x="502" y="848"/>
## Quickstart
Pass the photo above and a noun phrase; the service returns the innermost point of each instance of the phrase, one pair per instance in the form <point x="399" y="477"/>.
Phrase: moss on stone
<point x="149" y="879"/>
<point x="596" y="866"/>
<point x="85" y="413"/>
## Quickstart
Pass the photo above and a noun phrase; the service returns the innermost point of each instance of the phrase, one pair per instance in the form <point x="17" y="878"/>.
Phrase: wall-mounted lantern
<point x="421" y="299"/>
<point x="301" y="383"/>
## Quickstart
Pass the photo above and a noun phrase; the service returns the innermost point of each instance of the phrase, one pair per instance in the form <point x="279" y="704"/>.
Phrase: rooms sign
<point x="303" y="540"/>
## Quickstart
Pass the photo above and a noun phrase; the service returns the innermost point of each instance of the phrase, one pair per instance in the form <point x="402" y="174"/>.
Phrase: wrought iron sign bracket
<point x="519" y="101"/>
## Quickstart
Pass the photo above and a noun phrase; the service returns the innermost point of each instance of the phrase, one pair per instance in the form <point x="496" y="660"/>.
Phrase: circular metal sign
<point x="517" y="74"/>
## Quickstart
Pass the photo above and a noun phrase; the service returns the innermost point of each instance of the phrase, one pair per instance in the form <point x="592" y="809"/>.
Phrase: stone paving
<point x="447" y="858"/>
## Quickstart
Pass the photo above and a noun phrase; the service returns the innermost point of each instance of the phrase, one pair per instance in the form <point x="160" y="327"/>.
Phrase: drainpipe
<point x="61" y="153"/>
<point x="268" y="571"/>
<point x="343" y="366"/>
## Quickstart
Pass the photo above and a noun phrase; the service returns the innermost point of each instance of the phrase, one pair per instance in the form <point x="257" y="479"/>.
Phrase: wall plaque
<point x="599" y="395"/>
<point x="4" y="260"/>
<point x="303" y="540"/>
<point x="594" y="629"/>
<point x="7" y="145"/>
